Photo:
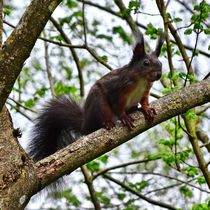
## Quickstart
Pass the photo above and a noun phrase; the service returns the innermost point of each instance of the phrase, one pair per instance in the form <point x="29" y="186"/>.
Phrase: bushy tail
<point x="56" y="127"/>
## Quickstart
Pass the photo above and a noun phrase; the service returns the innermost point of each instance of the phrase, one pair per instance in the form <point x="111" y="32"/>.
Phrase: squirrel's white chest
<point x="137" y="93"/>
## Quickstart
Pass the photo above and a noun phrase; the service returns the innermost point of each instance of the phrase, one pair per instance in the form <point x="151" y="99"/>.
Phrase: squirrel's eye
<point x="146" y="62"/>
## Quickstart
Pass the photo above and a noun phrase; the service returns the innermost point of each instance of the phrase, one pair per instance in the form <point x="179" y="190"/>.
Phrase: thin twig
<point x="123" y="166"/>
<point x="129" y="189"/>
<point x="19" y="111"/>
<point x="84" y="23"/>
<point x="47" y="63"/>
<point x="20" y="105"/>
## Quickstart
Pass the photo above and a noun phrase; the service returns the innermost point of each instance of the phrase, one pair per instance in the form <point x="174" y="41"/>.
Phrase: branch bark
<point x="18" y="46"/>
<point x="17" y="174"/>
<point x="89" y="147"/>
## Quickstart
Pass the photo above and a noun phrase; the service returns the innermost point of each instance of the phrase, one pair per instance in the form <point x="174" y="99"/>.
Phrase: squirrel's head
<point x="147" y="64"/>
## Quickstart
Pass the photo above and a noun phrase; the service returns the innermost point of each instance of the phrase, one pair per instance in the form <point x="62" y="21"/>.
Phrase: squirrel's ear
<point x="139" y="51"/>
<point x="160" y="42"/>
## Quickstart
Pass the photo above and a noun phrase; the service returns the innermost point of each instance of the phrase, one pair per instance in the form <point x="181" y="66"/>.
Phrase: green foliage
<point x="153" y="31"/>
<point x="201" y="180"/>
<point x="103" y="198"/>
<point x="93" y="165"/>
<point x="186" y="191"/>
<point x="191" y="115"/>
<point x="61" y="89"/>
<point x="134" y="5"/>
<point x="104" y="159"/>
<point x="191" y="171"/>
<point x="204" y="206"/>
<point x="7" y="11"/>
<point x="71" y="4"/>
<point x="72" y="199"/>
<point x="122" y="34"/>
<point x="68" y="19"/>
<point x="201" y="13"/>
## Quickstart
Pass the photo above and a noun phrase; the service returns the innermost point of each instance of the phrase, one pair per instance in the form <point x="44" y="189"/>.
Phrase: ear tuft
<point x="139" y="50"/>
<point x="160" y="42"/>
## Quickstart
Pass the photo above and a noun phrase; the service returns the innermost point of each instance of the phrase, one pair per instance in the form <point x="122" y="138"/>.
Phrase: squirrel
<point x="112" y="97"/>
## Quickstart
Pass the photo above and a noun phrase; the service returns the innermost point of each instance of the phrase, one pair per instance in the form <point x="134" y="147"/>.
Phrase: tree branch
<point x="89" y="181"/>
<point x="18" y="46"/>
<point x="1" y="22"/>
<point x="89" y="147"/>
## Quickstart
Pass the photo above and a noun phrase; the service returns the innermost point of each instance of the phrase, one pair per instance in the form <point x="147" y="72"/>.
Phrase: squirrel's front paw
<point x="108" y="124"/>
<point x="149" y="114"/>
<point x="127" y="121"/>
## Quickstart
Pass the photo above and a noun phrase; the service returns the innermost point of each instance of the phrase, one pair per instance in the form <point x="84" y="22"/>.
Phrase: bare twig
<point x="47" y="62"/>
<point x="20" y="105"/>
<point x="123" y="165"/>
<point x="89" y="182"/>
<point x="20" y="111"/>
<point x="208" y="75"/>
<point x="149" y="200"/>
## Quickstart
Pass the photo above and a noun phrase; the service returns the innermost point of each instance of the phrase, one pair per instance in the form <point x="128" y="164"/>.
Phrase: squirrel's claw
<point x="127" y="121"/>
<point x="108" y="125"/>
<point x="149" y="114"/>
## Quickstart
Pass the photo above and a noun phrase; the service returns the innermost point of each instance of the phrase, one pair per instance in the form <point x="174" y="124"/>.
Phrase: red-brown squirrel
<point x="110" y="98"/>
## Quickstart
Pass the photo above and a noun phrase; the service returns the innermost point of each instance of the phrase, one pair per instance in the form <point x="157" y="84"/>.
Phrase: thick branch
<point x="89" y="147"/>
<point x="18" y="46"/>
<point x="1" y="21"/>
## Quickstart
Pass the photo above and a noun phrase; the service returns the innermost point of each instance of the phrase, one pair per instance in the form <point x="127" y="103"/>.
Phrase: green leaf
<point x="201" y="180"/>
<point x="41" y="92"/>
<point x="93" y="165"/>
<point x="165" y="142"/>
<point x="121" y="196"/>
<point x="134" y="4"/>
<point x="201" y="207"/>
<point x="191" y="171"/>
<point x="177" y="19"/>
<point x="68" y="19"/>
<point x="103" y="198"/>
<point x="104" y="159"/>
<point x="7" y="11"/>
<point x="188" y="31"/>
<point x="30" y="103"/>
<point x="141" y="185"/>
<point x="61" y="89"/>
<point x="152" y="31"/>
<point x="103" y="36"/>
<point x="183" y="155"/>
<point x="191" y="115"/>
<point x="123" y="35"/>
<point x="168" y="158"/>
<point x="186" y="191"/>
<point x="207" y="31"/>
<point x="104" y="58"/>
<point x="166" y="90"/>
<point x="71" y="3"/>
<point x="70" y="197"/>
